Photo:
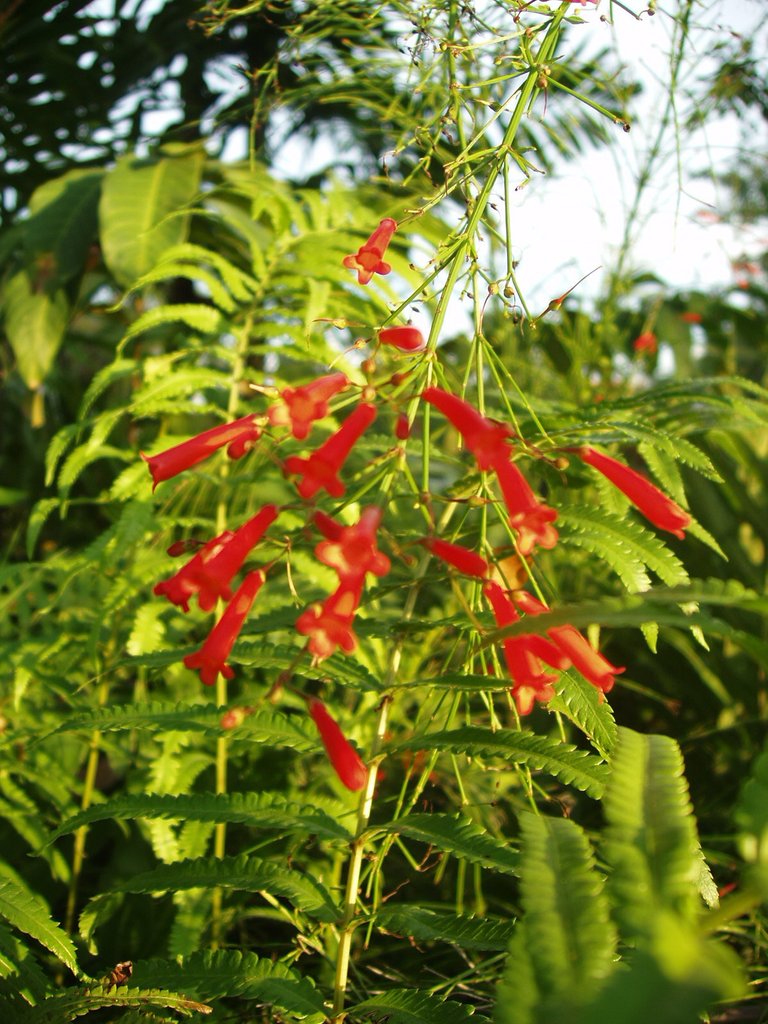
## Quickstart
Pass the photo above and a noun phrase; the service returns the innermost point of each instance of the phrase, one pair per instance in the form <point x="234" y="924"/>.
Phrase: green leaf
<point x="672" y="978"/>
<point x="74" y="1003"/>
<point x="259" y="810"/>
<point x="650" y="839"/>
<point x="138" y="201"/>
<point x="29" y="914"/>
<point x="580" y="701"/>
<point x="410" y="1006"/>
<point x="199" y="318"/>
<point x="626" y="545"/>
<point x="64" y="221"/>
<point x="248" y="874"/>
<point x="425" y="925"/>
<point x="35" y="322"/>
<point x="752" y="812"/>
<point x="572" y="766"/>
<point x="457" y="835"/>
<point x="212" y="975"/>
<point x="566" y="923"/>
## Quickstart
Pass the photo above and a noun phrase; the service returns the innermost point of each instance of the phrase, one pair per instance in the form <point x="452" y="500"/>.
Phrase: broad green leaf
<point x="35" y="322"/>
<point x="457" y="835"/>
<point x="63" y="221"/>
<point x="258" y="810"/>
<point x="29" y="914"/>
<point x="572" y="766"/>
<point x="138" y="202"/>
<point x="650" y="840"/>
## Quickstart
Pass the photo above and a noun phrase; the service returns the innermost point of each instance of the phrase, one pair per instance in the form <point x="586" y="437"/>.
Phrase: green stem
<point x="220" y="831"/>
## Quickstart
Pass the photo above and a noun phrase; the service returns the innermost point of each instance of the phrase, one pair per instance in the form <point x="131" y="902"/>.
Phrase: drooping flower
<point x="211" y="659"/>
<point x="485" y="438"/>
<point x="645" y="342"/>
<point x="321" y="468"/>
<point x="239" y="436"/>
<point x="301" y="406"/>
<point x="352" y="550"/>
<point x="524" y="655"/>
<point x="210" y="572"/>
<point x="402" y="427"/>
<point x="406" y="338"/>
<point x="368" y="260"/>
<point x="654" y="504"/>
<point x="531" y="518"/>
<point x="346" y="761"/>
<point x="593" y="666"/>
<point x="689" y="317"/>
<point x="461" y="558"/>
<point x="329" y="625"/>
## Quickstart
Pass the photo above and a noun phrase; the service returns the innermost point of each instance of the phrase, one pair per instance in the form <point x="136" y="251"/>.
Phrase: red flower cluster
<point x="352" y="552"/>
<point x="646" y="342"/>
<point x="532" y="520"/>
<point x="532" y="660"/>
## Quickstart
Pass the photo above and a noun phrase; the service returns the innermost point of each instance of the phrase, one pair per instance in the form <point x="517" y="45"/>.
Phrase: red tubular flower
<point x="368" y="261"/>
<point x="301" y="406"/>
<point x="531" y="518"/>
<point x="407" y="339"/>
<point x="645" y="342"/>
<point x="322" y="467"/>
<point x="581" y="654"/>
<point x="691" y="318"/>
<point x="210" y="572"/>
<point x="461" y="558"/>
<point x="346" y="761"/>
<point x="523" y="655"/>
<point x="351" y="550"/>
<point x="654" y="504"/>
<point x="484" y="438"/>
<point x="239" y="436"/>
<point x="329" y="625"/>
<point x="402" y="427"/>
<point x="211" y="659"/>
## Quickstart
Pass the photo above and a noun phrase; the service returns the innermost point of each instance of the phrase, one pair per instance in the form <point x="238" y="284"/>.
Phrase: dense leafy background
<point x="565" y="865"/>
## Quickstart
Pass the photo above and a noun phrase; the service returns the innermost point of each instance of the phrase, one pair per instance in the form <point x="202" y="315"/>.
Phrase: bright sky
<point x="571" y="222"/>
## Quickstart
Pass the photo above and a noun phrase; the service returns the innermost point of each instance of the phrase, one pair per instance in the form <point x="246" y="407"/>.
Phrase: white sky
<point x="571" y="222"/>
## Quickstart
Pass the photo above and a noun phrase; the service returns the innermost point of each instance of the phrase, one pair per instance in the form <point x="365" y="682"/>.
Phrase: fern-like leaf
<point x="566" y="923"/>
<point x="247" y="874"/>
<point x="410" y="1006"/>
<point x="258" y="810"/>
<point x="457" y="835"/>
<point x="425" y="925"/>
<point x="650" y="838"/>
<point x="210" y="975"/>
<point x="78" y="1002"/>
<point x="572" y="766"/>
<point x="29" y="914"/>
